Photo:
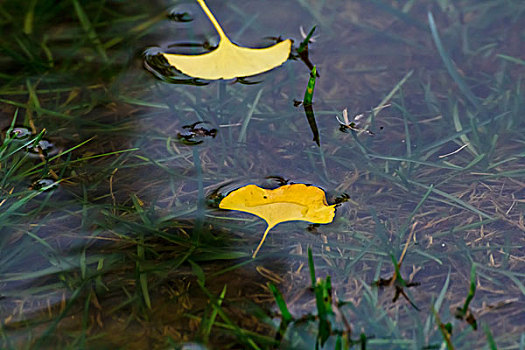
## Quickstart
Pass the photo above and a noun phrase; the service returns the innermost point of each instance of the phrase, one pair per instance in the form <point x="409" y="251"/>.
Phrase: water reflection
<point x="19" y="132"/>
<point x="129" y="250"/>
<point x="156" y="64"/>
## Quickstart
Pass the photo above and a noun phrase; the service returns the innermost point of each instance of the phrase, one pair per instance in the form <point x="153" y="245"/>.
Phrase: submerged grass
<point x="122" y="245"/>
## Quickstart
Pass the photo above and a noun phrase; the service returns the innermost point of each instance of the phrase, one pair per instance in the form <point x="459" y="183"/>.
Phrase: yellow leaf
<point x="228" y="60"/>
<point x="285" y="203"/>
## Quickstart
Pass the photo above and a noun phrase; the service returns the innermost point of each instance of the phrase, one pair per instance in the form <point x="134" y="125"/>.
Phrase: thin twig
<point x="454" y="152"/>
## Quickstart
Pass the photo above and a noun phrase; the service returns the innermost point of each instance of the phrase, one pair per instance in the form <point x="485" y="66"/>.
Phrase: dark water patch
<point x="196" y="133"/>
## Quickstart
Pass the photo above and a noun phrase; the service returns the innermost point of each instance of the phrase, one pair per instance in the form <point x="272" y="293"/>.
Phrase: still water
<point x="111" y="235"/>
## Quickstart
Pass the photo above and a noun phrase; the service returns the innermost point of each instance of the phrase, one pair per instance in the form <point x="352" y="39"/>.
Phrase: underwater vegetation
<point x="141" y="146"/>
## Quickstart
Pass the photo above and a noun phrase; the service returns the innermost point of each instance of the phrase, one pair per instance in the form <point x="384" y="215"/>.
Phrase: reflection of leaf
<point x="285" y="203"/>
<point x="228" y="60"/>
<point x="307" y="104"/>
<point x="309" y="110"/>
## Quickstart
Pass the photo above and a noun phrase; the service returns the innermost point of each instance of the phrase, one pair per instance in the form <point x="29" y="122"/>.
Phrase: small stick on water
<point x="412" y="231"/>
<point x="453" y="152"/>
<point x="114" y="200"/>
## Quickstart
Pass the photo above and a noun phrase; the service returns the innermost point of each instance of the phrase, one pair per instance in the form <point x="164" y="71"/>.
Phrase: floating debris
<point x="19" y="133"/>
<point x="43" y="148"/>
<point x="346" y="124"/>
<point x="44" y="185"/>
<point x="182" y="17"/>
<point x="193" y="135"/>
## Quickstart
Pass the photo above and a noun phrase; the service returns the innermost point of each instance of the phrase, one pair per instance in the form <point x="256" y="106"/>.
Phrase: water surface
<point x="131" y="250"/>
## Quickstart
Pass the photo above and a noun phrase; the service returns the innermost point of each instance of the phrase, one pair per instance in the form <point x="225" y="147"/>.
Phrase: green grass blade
<point x="409" y="20"/>
<point x="306" y="41"/>
<point x="246" y="121"/>
<point x="442" y="294"/>
<point x="209" y="322"/>
<point x="29" y="18"/>
<point x="311" y="267"/>
<point x="512" y="59"/>
<point x="281" y="304"/>
<point x="408" y="221"/>
<point x="449" y="65"/>
<point x="308" y="106"/>
<point x="472" y="289"/>
<point x="90" y="30"/>
<point x="456" y="200"/>
<point x="238" y="331"/>
<point x="309" y="93"/>
<point x="198" y="272"/>
<point x="459" y="128"/>
<point x="490" y="338"/>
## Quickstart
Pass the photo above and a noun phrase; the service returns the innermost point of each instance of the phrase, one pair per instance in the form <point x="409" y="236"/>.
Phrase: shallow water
<point x="131" y="250"/>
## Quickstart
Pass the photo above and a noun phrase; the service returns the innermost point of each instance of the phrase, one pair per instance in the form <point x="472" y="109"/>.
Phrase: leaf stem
<point x="262" y="241"/>
<point x="213" y="20"/>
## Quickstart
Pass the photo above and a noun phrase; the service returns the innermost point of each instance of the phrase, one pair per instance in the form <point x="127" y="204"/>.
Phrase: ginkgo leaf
<point x="286" y="203"/>
<point x="228" y="60"/>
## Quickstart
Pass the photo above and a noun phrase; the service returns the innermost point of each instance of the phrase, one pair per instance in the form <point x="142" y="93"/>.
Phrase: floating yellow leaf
<point x="228" y="60"/>
<point x="285" y="203"/>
